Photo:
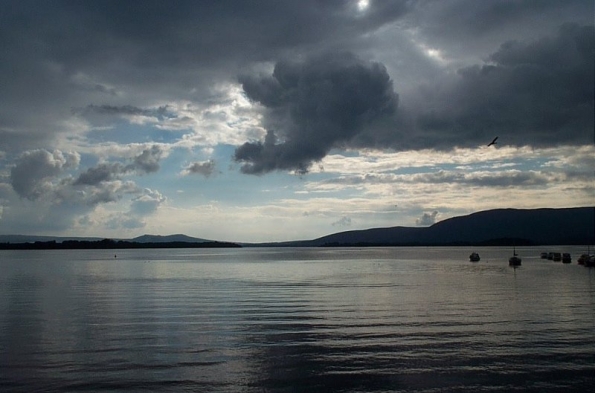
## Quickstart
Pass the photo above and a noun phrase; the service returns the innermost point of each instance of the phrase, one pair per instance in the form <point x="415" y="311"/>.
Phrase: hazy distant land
<point x="500" y="227"/>
<point x="110" y="244"/>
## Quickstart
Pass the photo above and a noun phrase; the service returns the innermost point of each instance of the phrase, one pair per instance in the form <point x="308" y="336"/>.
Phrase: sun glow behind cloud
<point x="362" y="5"/>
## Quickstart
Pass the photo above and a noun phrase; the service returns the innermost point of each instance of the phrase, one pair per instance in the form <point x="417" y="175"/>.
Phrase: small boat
<point x="550" y="256"/>
<point x="557" y="257"/>
<point x="514" y="260"/>
<point x="591" y="261"/>
<point x="566" y="258"/>
<point x="544" y="255"/>
<point x="474" y="257"/>
<point x="583" y="259"/>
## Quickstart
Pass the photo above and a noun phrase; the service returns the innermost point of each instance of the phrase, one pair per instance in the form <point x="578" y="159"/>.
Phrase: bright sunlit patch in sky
<point x="435" y="54"/>
<point x="363" y="5"/>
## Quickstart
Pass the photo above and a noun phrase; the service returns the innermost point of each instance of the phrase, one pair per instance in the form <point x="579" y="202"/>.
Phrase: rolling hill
<point x="491" y="227"/>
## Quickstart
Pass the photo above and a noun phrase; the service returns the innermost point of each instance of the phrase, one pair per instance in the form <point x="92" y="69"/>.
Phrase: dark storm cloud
<point x="57" y="55"/>
<point x="316" y="105"/>
<point x="470" y="26"/>
<point x="115" y="58"/>
<point x="537" y="93"/>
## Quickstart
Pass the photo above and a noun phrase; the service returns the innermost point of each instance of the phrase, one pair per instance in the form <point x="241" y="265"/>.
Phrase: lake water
<point x="295" y="320"/>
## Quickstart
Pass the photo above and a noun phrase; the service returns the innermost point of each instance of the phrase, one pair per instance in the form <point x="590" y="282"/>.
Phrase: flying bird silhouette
<point x="492" y="142"/>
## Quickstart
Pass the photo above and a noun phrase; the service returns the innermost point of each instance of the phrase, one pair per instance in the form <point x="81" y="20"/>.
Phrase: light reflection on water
<point x="295" y="320"/>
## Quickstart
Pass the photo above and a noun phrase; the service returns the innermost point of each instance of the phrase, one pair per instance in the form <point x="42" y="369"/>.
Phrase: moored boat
<point x="474" y="257"/>
<point x="583" y="259"/>
<point x="566" y="258"/>
<point x="514" y="260"/>
<point x="544" y="255"/>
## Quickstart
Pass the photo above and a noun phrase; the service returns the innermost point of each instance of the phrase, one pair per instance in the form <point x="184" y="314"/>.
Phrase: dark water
<point x="295" y="320"/>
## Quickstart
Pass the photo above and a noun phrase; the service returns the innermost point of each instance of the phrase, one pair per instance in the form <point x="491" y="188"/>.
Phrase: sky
<point x="277" y="120"/>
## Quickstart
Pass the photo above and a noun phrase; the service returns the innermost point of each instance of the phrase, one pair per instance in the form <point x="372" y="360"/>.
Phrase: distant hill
<point x="35" y="238"/>
<point x="140" y="239"/>
<point x="539" y="226"/>
<point x="167" y="239"/>
<point x="491" y="227"/>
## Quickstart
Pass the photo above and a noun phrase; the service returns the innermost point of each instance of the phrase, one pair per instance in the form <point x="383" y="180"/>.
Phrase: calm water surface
<point x="295" y="320"/>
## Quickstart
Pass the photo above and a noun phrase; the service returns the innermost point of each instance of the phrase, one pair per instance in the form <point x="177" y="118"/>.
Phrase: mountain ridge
<point x="489" y="227"/>
<point x="497" y="226"/>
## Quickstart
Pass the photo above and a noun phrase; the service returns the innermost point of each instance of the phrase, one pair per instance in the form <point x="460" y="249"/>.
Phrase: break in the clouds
<point x="313" y="106"/>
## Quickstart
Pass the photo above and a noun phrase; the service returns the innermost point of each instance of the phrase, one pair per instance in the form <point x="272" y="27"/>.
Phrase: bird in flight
<point x="492" y="142"/>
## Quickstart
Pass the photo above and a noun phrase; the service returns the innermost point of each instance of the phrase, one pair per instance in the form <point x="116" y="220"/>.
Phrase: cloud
<point x="537" y="92"/>
<point x="148" y="160"/>
<point x="342" y="222"/>
<point x="99" y="114"/>
<point x="124" y="110"/>
<point x="314" y="105"/>
<point x="204" y="168"/>
<point x="509" y="178"/>
<point x="60" y="205"/>
<point x="104" y="192"/>
<point x="63" y="55"/>
<point x="33" y="172"/>
<point x="427" y="219"/>
<point x="485" y="24"/>
<point x="119" y="221"/>
<point x="283" y="86"/>
<point x="57" y="199"/>
<point x="145" y="162"/>
<point x="100" y="173"/>
<point x="147" y="203"/>
<point x="141" y="207"/>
